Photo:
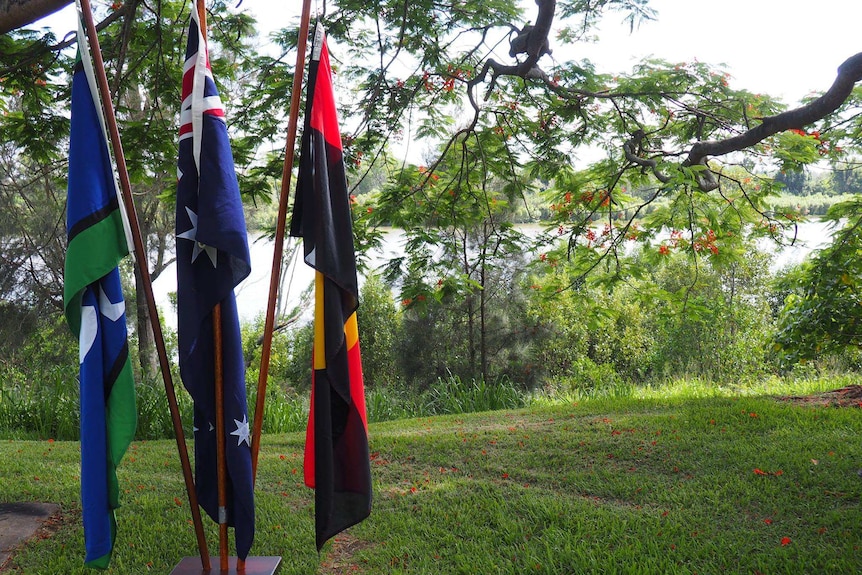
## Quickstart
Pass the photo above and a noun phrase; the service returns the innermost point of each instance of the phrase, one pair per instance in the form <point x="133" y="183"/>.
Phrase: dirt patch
<point x="20" y="522"/>
<point x="339" y="560"/>
<point x="850" y="396"/>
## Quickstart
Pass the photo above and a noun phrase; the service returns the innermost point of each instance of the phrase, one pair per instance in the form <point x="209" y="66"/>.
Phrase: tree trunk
<point x="483" y="341"/>
<point x="147" y="354"/>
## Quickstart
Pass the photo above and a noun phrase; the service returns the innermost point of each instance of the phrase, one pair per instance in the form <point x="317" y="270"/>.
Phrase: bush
<point x="713" y="320"/>
<point x="589" y="379"/>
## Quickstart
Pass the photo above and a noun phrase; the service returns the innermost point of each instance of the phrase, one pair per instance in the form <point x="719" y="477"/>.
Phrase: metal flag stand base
<point x="253" y="566"/>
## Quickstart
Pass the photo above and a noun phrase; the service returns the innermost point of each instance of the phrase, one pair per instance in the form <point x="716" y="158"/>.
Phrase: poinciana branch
<point x="18" y="13"/>
<point x="849" y="73"/>
<point x="35" y="51"/>
<point x="532" y="41"/>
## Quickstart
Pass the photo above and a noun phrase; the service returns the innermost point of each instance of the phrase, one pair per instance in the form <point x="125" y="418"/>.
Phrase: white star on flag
<point x="242" y="432"/>
<point x="192" y="235"/>
<point x="90" y="323"/>
<point x="195" y="428"/>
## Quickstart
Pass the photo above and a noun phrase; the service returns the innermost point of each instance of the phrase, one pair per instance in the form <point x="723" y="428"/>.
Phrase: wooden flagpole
<point x="278" y="249"/>
<point x="221" y="458"/>
<point x="143" y="269"/>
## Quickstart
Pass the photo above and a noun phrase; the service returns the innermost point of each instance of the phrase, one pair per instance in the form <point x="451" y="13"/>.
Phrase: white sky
<point x="786" y="48"/>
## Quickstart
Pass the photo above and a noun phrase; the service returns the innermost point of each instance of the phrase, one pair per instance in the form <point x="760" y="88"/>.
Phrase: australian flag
<point x="212" y="258"/>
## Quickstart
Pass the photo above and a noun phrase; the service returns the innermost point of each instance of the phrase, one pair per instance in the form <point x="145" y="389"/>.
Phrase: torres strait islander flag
<point x="212" y="258"/>
<point x="336" y="450"/>
<point x="95" y="311"/>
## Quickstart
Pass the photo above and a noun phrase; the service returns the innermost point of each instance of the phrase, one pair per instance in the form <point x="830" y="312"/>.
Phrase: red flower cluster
<point x="758" y="471"/>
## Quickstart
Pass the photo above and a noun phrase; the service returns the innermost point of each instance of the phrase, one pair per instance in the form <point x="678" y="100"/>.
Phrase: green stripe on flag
<point x="121" y="416"/>
<point x="91" y="254"/>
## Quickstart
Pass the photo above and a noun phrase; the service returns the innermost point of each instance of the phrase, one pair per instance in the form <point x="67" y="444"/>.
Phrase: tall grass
<point x="46" y="406"/>
<point x="154" y="416"/>
<point x="453" y="395"/>
<point x="283" y="413"/>
<point x="40" y="405"/>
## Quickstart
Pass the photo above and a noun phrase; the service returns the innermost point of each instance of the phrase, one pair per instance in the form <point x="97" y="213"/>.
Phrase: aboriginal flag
<point x="336" y="449"/>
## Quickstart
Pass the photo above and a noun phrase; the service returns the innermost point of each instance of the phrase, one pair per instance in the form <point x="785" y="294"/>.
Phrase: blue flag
<point x="95" y="311"/>
<point x="212" y="258"/>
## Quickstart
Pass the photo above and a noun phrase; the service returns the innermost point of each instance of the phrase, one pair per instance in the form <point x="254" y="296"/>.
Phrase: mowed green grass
<point x="714" y="485"/>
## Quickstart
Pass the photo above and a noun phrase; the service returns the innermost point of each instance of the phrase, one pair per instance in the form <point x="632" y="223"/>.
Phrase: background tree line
<point x="649" y="267"/>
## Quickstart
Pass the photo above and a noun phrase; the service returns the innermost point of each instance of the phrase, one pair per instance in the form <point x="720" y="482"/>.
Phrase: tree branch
<point x="39" y="47"/>
<point x="849" y="73"/>
<point x="19" y="13"/>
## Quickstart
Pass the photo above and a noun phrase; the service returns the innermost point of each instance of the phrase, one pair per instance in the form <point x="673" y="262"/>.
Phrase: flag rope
<point x="281" y="224"/>
<point x="142" y="266"/>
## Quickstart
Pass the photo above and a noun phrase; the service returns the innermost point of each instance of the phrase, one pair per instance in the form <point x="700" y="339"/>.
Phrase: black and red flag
<point x="336" y="449"/>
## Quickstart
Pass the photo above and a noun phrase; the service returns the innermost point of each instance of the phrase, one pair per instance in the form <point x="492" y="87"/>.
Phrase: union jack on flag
<point x="210" y="221"/>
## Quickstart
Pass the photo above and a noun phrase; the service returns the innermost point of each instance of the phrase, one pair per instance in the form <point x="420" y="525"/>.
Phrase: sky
<point x="785" y="48"/>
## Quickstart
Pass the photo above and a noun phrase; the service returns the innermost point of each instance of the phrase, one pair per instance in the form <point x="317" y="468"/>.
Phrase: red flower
<point x="768" y="521"/>
<point x="758" y="471"/>
<point x="785" y="541"/>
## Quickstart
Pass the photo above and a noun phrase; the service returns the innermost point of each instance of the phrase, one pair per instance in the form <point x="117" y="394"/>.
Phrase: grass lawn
<point x="713" y="485"/>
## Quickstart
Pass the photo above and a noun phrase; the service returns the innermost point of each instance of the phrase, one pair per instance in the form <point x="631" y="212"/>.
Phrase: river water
<point x="252" y="294"/>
